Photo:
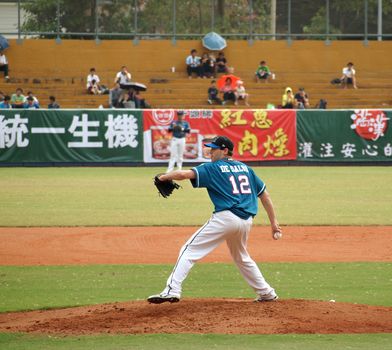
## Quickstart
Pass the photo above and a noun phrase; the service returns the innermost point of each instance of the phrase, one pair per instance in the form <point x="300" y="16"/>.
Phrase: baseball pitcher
<point x="234" y="190"/>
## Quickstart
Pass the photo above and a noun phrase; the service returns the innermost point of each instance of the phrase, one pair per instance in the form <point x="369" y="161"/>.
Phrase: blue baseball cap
<point x="220" y="142"/>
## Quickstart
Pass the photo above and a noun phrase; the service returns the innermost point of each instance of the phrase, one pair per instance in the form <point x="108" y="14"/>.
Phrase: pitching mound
<point x="225" y="316"/>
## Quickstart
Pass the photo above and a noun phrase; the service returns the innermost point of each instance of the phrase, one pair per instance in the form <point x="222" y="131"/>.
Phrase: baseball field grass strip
<point x="199" y="342"/>
<point x="127" y="197"/>
<point x="28" y="288"/>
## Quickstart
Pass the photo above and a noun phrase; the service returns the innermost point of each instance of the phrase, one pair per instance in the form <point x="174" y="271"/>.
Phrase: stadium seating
<point x="62" y="69"/>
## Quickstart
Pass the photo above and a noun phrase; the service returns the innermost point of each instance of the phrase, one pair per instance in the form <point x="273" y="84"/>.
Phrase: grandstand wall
<point x="76" y="56"/>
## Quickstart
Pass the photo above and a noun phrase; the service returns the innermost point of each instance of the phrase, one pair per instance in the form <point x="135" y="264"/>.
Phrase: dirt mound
<point x="225" y="316"/>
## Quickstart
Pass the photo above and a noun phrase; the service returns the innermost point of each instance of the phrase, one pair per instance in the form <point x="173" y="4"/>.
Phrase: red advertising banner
<point x="257" y="134"/>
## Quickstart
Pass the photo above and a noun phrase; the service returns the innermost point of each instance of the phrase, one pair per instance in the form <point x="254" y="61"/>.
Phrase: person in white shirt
<point x="4" y="65"/>
<point x="240" y="93"/>
<point x="193" y="64"/>
<point x="349" y="76"/>
<point x="35" y="99"/>
<point x="92" y="81"/>
<point x="123" y="77"/>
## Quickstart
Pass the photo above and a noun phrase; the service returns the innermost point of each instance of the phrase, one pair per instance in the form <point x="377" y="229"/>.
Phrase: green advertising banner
<point x="350" y="136"/>
<point x="64" y="136"/>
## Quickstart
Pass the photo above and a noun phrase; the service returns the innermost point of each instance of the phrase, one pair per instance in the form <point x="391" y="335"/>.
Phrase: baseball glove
<point x="177" y="128"/>
<point x="165" y="188"/>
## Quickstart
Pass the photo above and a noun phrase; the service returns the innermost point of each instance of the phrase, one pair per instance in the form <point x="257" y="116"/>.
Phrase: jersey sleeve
<point x="187" y="127"/>
<point x="202" y="175"/>
<point x="259" y="184"/>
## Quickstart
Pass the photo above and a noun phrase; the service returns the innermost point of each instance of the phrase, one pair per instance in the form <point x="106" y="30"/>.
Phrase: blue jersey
<point x="179" y="128"/>
<point x="231" y="185"/>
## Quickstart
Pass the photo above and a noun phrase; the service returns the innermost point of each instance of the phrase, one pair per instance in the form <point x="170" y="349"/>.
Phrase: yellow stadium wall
<point x="75" y="57"/>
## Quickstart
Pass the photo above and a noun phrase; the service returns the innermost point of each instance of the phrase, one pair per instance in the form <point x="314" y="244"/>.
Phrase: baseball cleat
<point x="163" y="298"/>
<point x="267" y="297"/>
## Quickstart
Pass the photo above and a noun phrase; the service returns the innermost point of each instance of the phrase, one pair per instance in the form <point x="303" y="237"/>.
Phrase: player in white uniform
<point x="179" y="128"/>
<point x="234" y="189"/>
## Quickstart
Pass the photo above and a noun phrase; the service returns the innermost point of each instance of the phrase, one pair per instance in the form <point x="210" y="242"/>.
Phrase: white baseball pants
<point x="177" y="148"/>
<point x="222" y="226"/>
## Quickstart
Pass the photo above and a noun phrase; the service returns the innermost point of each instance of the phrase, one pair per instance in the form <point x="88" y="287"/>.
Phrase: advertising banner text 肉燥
<point x="257" y="134"/>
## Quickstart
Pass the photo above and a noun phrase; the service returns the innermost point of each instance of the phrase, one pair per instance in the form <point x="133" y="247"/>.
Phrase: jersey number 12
<point x="244" y="184"/>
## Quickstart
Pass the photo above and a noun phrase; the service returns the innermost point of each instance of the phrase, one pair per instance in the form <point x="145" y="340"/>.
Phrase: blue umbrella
<point x="3" y="43"/>
<point x="213" y="41"/>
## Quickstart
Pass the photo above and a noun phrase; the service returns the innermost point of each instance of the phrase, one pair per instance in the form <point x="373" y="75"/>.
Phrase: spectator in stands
<point x="301" y="99"/>
<point x="193" y="64"/>
<point x="241" y="94"/>
<point x="128" y="99"/>
<point x="30" y="94"/>
<point x="228" y="91"/>
<point x="213" y="94"/>
<point x="140" y="102"/>
<point x="123" y="77"/>
<point x="263" y="72"/>
<point x="96" y="88"/>
<point x="122" y="99"/>
<point x="92" y="82"/>
<point x="5" y="103"/>
<point x="221" y="63"/>
<point x="212" y="61"/>
<point x="52" y="103"/>
<point x="30" y="103"/>
<point x="207" y="66"/>
<point x="18" y="99"/>
<point x="288" y="99"/>
<point x="4" y="65"/>
<point x="114" y="96"/>
<point x="348" y="76"/>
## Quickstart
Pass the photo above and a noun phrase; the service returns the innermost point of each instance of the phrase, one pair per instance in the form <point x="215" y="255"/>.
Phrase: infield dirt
<point x="160" y="245"/>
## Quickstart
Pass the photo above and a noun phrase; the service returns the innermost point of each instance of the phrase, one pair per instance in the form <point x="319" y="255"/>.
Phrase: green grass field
<point x="199" y="342"/>
<point x="125" y="196"/>
<point x="40" y="287"/>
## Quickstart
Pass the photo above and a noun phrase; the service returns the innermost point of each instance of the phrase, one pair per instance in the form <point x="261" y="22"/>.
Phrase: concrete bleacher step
<point x="177" y="91"/>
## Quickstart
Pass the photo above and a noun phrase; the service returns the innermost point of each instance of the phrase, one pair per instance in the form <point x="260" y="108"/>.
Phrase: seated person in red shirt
<point x="228" y="92"/>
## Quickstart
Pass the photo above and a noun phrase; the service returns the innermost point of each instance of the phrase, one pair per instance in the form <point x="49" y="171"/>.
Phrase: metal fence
<point x="190" y="19"/>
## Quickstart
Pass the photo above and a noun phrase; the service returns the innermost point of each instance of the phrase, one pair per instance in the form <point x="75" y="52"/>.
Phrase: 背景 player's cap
<point x="221" y="142"/>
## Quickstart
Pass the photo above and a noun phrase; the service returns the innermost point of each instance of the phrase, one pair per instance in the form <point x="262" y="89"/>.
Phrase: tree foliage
<point x="75" y="15"/>
<point x="348" y="17"/>
<point x="200" y="16"/>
